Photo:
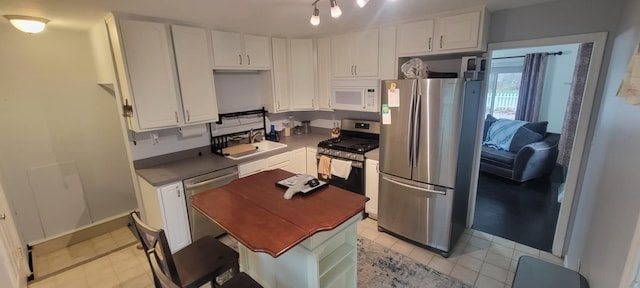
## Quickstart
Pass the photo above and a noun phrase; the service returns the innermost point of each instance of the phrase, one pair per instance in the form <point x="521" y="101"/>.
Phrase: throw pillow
<point x="523" y="137"/>
<point x="487" y="123"/>
<point x="538" y="127"/>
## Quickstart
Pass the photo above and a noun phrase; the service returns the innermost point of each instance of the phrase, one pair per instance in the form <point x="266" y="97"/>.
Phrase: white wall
<point x="52" y="111"/>
<point x="557" y="82"/>
<point x="609" y="208"/>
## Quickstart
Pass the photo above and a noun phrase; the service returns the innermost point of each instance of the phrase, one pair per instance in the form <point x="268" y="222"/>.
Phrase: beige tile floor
<point x="58" y="260"/>
<point x="479" y="259"/>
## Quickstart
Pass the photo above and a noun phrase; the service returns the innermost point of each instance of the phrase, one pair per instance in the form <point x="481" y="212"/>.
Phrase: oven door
<point x="355" y="181"/>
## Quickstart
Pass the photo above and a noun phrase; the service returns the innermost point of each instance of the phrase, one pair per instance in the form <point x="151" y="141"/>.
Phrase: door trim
<point x="576" y="164"/>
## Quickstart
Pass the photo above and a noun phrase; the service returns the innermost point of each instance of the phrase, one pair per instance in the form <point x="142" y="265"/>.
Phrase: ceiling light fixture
<point x="361" y="3"/>
<point x="27" y="24"/>
<point x="335" y="9"/>
<point x="315" y="17"/>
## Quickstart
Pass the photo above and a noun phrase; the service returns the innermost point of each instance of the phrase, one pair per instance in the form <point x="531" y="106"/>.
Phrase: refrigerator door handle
<point x="409" y="124"/>
<point x="387" y="178"/>
<point x="416" y="125"/>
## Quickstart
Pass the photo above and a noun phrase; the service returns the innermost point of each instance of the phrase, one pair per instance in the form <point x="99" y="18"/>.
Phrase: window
<point x="503" y="89"/>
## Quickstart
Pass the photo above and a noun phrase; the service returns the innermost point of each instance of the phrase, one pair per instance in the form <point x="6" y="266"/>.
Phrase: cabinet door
<point x="228" y="49"/>
<point x="250" y="168"/>
<point x="152" y="81"/>
<point x="341" y="55"/>
<point x="299" y="161"/>
<point x="280" y="74"/>
<point x="371" y="186"/>
<point x="324" y="73"/>
<point x="195" y="72"/>
<point x="174" y="216"/>
<point x="302" y="74"/>
<point x="415" y="38"/>
<point x="458" y="31"/>
<point x="256" y="51"/>
<point x="312" y="166"/>
<point x="365" y="53"/>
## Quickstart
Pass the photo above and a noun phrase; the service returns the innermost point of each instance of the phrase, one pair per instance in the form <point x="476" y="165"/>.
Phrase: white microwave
<point x="356" y="95"/>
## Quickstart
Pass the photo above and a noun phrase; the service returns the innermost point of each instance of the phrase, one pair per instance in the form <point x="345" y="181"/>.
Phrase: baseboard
<point x="79" y="235"/>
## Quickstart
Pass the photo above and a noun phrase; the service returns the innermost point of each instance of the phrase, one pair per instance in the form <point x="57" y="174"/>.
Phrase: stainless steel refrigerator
<point x="427" y="143"/>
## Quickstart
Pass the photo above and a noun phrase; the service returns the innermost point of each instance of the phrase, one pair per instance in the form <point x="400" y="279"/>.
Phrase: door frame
<point x="13" y="256"/>
<point x="578" y="153"/>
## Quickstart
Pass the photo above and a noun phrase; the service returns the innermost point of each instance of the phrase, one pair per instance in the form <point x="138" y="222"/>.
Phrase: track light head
<point x="315" y="17"/>
<point x="335" y="9"/>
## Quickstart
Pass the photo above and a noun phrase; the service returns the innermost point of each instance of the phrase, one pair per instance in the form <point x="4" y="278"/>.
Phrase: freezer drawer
<point x="416" y="211"/>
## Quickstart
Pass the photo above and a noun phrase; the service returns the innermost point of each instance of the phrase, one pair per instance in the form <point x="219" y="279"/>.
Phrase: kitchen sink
<point x="263" y="147"/>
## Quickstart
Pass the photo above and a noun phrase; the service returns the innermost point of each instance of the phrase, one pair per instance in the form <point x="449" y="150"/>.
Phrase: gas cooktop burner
<point x="356" y="145"/>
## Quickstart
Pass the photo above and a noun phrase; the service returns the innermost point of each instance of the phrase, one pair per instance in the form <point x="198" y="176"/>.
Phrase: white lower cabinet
<point x="296" y="161"/>
<point x="372" y="170"/>
<point x="165" y="208"/>
<point x="312" y="166"/>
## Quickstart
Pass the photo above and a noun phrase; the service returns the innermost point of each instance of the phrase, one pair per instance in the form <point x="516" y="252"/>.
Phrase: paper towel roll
<point x="195" y="130"/>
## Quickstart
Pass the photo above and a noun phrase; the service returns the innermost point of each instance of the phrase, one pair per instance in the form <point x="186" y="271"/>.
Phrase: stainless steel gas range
<point x="357" y="137"/>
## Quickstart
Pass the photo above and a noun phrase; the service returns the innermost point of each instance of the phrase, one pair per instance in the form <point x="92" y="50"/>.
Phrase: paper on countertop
<point x="630" y="86"/>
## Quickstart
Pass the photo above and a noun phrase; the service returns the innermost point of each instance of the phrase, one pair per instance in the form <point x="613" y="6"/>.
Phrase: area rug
<point x="381" y="267"/>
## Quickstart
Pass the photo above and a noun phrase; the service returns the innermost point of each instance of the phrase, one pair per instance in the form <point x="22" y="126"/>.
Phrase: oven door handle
<point x="355" y="164"/>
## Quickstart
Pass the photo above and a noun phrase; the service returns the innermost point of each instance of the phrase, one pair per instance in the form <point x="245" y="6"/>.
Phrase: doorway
<point x="568" y="178"/>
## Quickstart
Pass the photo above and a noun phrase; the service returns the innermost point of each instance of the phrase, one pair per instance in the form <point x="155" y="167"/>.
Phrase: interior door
<point x="14" y="268"/>
<point x="395" y="156"/>
<point x="438" y="131"/>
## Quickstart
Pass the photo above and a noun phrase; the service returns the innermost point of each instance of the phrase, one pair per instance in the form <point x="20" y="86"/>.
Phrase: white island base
<point x="326" y="259"/>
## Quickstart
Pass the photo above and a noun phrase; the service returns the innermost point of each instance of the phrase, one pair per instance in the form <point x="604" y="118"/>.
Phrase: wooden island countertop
<point x="254" y="211"/>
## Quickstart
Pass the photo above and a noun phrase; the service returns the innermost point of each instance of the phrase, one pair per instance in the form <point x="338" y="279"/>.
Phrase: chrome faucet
<point x="252" y="135"/>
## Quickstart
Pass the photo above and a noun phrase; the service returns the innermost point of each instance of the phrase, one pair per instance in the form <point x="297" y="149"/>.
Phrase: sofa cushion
<point x="524" y="136"/>
<point x="487" y="123"/>
<point x="538" y="127"/>
<point x="497" y="157"/>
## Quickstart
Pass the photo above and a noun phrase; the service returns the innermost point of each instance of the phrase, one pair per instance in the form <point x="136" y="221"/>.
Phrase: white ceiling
<point x="268" y="17"/>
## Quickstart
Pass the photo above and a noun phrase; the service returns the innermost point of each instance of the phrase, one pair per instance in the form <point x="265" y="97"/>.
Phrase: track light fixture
<point x="335" y="9"/>
<point x="315" y="17"/>
<point x="361" y="3"/>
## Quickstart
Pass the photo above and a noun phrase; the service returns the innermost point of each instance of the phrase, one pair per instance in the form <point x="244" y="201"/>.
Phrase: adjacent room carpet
<point x="522" y="212"/>
<point x="380" y="267"/>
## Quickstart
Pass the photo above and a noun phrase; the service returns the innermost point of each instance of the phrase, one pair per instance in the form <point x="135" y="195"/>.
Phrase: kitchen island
<point x="308" y="241"/>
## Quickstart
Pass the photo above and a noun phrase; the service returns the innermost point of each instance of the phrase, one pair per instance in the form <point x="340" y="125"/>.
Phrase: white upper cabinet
<point x="239" y="51"/>
<point x="415" y="38"/>
<point x="302" y="76"/>
<point x="324" y="73"/>
<point x="280" y="72"/>
<point x="355" y="54"/>
<point x="458" y="31"/>
<point x="144" y="63"/>
<point x="195" y="73"/>
<point x="451" y="33"/>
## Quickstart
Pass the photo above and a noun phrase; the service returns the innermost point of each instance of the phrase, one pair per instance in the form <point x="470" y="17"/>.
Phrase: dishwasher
<point x="199" y="224"/>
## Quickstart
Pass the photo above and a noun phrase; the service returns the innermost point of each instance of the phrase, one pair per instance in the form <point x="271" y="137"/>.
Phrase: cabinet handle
<point x="240" y="57"/>
<point x="378" y="167"/>
<point x="355" y="68"/>
<point x="3" y="216"/>
<point x="441" y="37"/>
<point x="176" y="113"/>
<point x="188" y="116"/>
<point x="313" y="104"/>
<point x="329" y="102"/>
<point x="430" y="38"/>
<point x="352" y="70"/>
<point x="178" y="193"/>
<point x="278" y="104"/>
<point x="248" y="59"/>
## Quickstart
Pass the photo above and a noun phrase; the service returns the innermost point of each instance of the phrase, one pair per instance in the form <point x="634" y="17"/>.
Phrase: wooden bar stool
<point x="200" y="262"/>
<point x="241" y="280"/>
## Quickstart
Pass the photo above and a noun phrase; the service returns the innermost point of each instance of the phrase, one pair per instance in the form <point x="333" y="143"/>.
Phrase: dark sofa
<point x="524" y="161"/>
